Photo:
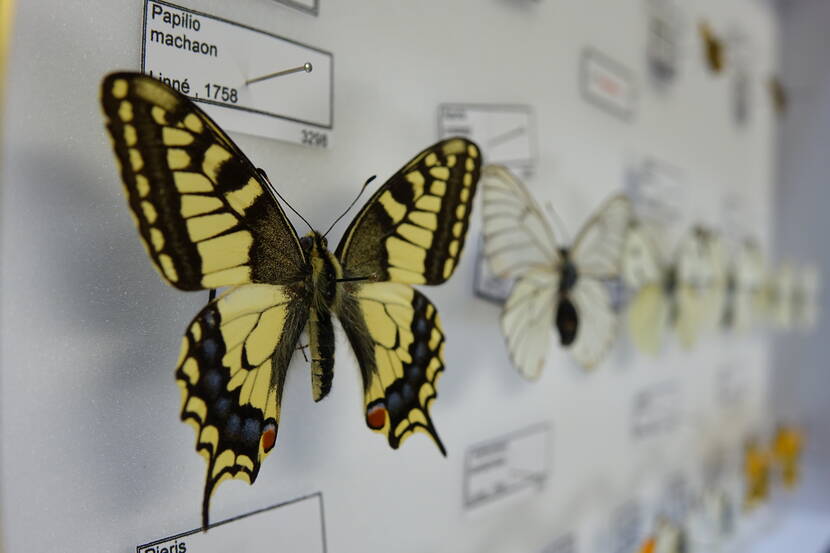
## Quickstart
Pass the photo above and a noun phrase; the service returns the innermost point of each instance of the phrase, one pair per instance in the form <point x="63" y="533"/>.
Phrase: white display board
<point x="93" y="454"/>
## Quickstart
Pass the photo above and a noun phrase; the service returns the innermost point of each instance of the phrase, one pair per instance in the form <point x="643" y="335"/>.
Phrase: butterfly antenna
<point x="351" y="205"/>
<point x="558" y="221"/>
<point x="274" y="190"/>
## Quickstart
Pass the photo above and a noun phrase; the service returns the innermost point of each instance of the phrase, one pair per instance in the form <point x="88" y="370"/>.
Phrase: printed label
<point x="503" y="466"/>
<point x="210" y="60"/>
<point x="655" y="410"/>
<point x="607" y="84"/>
<point x="296" y="525"/>
<point x="505" y="132"/>
<point x="626" y="528"/>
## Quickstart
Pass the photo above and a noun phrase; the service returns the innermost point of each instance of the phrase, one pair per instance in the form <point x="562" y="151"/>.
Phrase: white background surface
<point x="94" y="457"/>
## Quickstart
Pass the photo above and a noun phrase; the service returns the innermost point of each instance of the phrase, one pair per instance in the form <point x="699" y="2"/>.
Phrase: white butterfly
<point x="680" y="294"/>
<point x="556" y="285"/>
<point x="669" y="538"/>
<point x="743" y="303"/>
<point x="779" y="290"/>
<point x="805" y="298"/>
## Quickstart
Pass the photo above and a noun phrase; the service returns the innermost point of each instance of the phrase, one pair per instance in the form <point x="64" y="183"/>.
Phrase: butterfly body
<point x="567" y="318"/>
<point x="209" y="219"/>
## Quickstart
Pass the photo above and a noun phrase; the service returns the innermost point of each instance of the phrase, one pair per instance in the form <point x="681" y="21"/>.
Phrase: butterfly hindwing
<point x="527" y="318"/>
<point x="231" y="372"/>
<point x="396" y="335"/>
<point x="597" y="327"/>
<point x="412" y="230"/>
<point x="649" y="307"/>
<point x="202" y="209"/>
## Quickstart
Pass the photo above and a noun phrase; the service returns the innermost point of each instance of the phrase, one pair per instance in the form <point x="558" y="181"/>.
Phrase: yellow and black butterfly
<point x="208" y="219"/>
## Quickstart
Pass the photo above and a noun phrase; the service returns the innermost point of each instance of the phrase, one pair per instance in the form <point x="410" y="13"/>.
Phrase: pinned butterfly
<point x="683" y="294"/>
<point x="564" y="287"/>
<point x="208" y="219"/>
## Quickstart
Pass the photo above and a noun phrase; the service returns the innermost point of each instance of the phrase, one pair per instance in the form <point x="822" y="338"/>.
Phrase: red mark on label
<point x="609" y="85"/>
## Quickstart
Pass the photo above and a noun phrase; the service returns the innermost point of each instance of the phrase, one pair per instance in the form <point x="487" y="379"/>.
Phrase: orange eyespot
<point x="269" y="437"/>
<point x="376" y="416"/>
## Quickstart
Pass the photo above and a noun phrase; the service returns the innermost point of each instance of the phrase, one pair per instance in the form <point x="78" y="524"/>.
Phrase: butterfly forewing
<point x="597" y="250"/>
<point x="516" y="232"/>
<point x="413" y="228"/>
<point x="201" y="207"/>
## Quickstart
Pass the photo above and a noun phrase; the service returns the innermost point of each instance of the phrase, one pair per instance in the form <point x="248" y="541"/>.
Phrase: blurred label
<point x="504" y="466"/>
<point x="655" y="410"/>
<point x="607" y="84"/>
<point x="505" y="133"/>
<point x="656" y="191"/>
<point x="626" y="528"/>
<point x="296" y="525"/>
<point x="730" y="386"/>
<point x="562" y="544"/>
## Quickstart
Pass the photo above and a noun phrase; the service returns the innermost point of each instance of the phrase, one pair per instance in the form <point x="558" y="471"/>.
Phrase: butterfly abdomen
<point x="567" y="320"/>
<point x="322" y="282"/>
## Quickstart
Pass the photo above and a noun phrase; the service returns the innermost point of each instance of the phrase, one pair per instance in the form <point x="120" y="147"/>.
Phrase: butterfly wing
<point x="517" y="235"/>
<point x="714" y="291"/>
<point x="643" y="273"/>
<point x="231" y="372"/>
<point x="597" y="322"/>
<point x="597" y="250"/>
<point x="597" y="254"/>
<point x="396" y="335"/>
<point x="202" y="209"/>
<point x="806" y="298"/>
<point x="526" y="319"/>
<point x="413" y="228"/>
<point x="411" y="231"/>
<point x="746" y="296"/>
<point x="693" y="273"/>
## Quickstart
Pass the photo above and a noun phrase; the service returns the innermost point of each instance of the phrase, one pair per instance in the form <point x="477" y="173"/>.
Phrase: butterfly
<point x="787" y="448"/>
<point x="778" y="296"/>
<point x="668" y="537"/>
<point x="560" y="285"/>
<point x="208" y="219"/>
<point x="666" y="295"/>
<point x="743" y="301"/>
<point x="756" y="474"/>
<point x="714" y="49"/>
<point x="805" y="298"/>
